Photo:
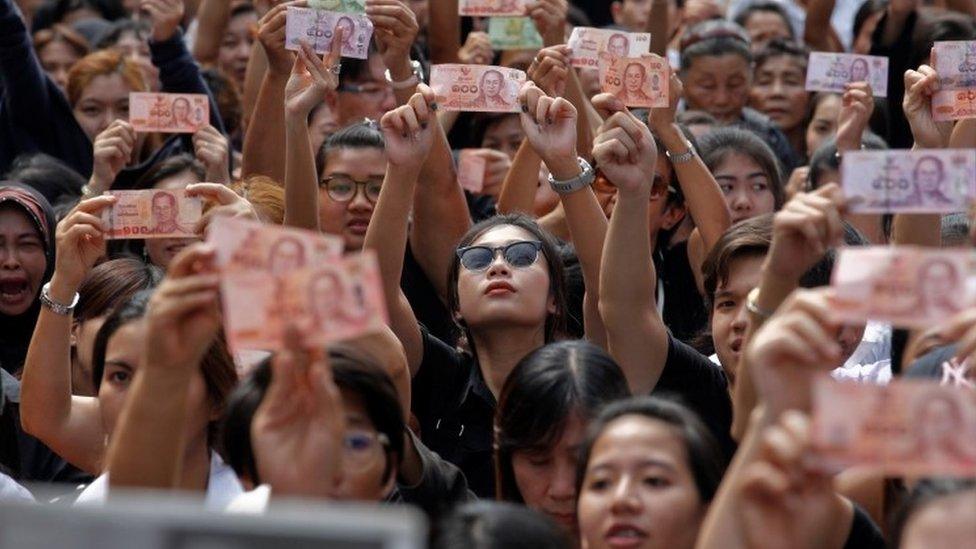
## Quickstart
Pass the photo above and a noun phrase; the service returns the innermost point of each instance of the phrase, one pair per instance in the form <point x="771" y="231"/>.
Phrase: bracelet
<point x="416" y="78"/>
<point x="754" y="308"/>
<point x="54" y="306"/>
<point x="681" y="158"/>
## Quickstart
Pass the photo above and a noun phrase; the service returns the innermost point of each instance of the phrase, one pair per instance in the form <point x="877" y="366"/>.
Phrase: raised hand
<point x="857" y="103"/>
<point x="797" y="343"/>
<point x="183" y="316"/>
<point x="624" y="148"/>
<point x="783" y="503"/>
<point x="408" y="132"/>
<point x="550" y="126"/>
<point x="550" y="69"/>
<point x="311" y="78"/>
<point x="80" y="242"/>
<point x="297" y="431"/>
<point x="549" y="17"/>
<point x="395" y="29"/>
<point x="797" y="182"/>
<point x="226" y="203"/>
<point x="271" y="34"/>
<point x="166" y="16"/>
<point x="920" y="85"/>
<point x="497" y="165"/>
<point x="213" y="150"/>
<point x="476" y="49"/>
<point x="112" y="152"/>
<point x="804" y="229"/>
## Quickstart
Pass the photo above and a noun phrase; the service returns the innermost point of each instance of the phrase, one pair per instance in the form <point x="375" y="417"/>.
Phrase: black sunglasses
<point x="517" y="254"/>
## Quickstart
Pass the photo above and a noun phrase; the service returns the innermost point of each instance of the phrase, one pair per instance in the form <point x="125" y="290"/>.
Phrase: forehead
<point x="126" y="341"/>
<point x="359" y="162"/>
<point x="177" y="181"/>
<point x="744" y="274"/>
<point x="719" y="66"/>
<point x="737" y="162"/>
<point x="637" y="437"/>
<point x="782" y="63"/>
<point x="502" y="234"/>
<point x="15" y="220"/>
<point x="828" y="107"/>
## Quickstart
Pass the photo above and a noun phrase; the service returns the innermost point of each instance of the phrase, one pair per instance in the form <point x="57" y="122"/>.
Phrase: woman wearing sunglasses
<point x="505" y="291"/>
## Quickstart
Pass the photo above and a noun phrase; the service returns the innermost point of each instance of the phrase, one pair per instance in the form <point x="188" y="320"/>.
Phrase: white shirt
<point x="11" y="491"/>
<point x="871" y="360"/>
<point x="222" y="487"/>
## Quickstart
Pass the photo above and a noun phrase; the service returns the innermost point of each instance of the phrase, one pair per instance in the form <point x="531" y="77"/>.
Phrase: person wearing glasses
<point x="505" y="292"/>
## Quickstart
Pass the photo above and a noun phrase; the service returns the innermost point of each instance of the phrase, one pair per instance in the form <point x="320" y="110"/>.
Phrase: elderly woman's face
<point x="22" y="261"/>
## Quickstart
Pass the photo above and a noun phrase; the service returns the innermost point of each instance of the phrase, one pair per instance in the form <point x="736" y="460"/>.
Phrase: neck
<point x="196" y="467"/>
<point x="500" y="349"/>
<point x="797" y="137"/>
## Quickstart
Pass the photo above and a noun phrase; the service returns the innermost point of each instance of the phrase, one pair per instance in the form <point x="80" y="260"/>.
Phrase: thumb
<point x="606" y="104"/>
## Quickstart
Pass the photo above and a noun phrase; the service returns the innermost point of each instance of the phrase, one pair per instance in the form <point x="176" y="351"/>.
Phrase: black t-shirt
<point x="684" y="309"/>
<point x="424" y="300"/>
<point x="701" y="385"/>
<point x="864" y="533"/>
<point x="456" y="411"/>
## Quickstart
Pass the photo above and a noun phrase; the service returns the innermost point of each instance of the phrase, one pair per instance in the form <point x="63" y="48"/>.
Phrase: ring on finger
<point x="335" y="69"/>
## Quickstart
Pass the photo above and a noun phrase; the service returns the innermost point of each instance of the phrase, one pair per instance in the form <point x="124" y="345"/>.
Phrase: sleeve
<point x="23" y="80"/>
<point x="700" y="385"/>
<point x="441" y="487"/>
<point x="179" y="73"/>
<point x="864" y="533"/>
<point x="437" y="373"/>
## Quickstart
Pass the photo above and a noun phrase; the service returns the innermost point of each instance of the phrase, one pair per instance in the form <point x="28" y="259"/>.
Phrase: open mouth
<point x="625" y="536"/>
<point x="358" y="226"/>
<point x="14" y="291"/>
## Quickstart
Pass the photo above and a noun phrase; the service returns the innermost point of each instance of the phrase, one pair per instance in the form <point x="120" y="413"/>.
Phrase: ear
<point x="75" y="328"/>
<point x="673" y="214"/>
<point x="551" y="304"/>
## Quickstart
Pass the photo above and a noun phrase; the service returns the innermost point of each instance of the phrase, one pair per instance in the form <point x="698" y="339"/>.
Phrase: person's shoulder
<point x="685" y="363"/>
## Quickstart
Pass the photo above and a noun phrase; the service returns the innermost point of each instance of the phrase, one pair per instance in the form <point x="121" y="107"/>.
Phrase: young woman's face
<point x="638" y="490"/>
<point x="718" y="85"/>
<point x="22" y="261"/>
<point x="350" y="219"/>
<point x="123" y="355"/>
<point x="779" y="91"/>
<point x="504" y="135"/>
<point x="747" y="188"/>
<point x="84" y="334"/>
<point x="729" y="319"/>
<point x="162" y="250"/>
<point x="56" y="58"/>
<point x="364" y="461"/>
<point x="502" y="295"/>
<point x="235" y="48"/>
<point x="546" y="477"/>
<point x="104" y="100"/>
<point x="823" y="123"/>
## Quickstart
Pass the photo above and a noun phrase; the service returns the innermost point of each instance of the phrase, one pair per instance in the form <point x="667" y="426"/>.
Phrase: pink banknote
<point x="955" y="61"/>
<point x="637" y="81"/>
<point x="905" y="428"/>
<point x="831" y="71"/>
<point x="481" y="88"/>
<point x="937" y="180"/>
<point x="492" y="8"/>
<point x="471" y="170"/>
<point x="152" y="214"/>
<point x="335" y="300"/>
<point x="315" y="27"/>
<point x="906" y="286"/>
<point x="168" y="112"/>
<point x="590" y="44"/>
<point x="251" y="246"/>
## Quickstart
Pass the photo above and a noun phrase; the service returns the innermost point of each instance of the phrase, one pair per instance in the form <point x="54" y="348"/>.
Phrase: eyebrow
<point x="723" y="294"/>
<point x="646" y="462"/>
<point x="119" y="364"/>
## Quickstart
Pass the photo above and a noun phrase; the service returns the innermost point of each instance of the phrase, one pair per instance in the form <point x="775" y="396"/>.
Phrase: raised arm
<point x="818" y="33"/>
<point x="262" y="155"/>
<point x="182" y="321"/>
<point x="625" y="151"/>
<point x="311" y="78"/>
<point x="69" y="425"/>
<point x="212" y="18"/>
<point x="658" y="24"/>
<point x="444" y="32"/>
<point x="409" y="132"/>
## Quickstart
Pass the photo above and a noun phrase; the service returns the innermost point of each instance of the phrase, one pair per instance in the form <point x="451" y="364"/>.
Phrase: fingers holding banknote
<point x="623" y="148"/>
<point x="804" y="229"/>
<point x="857" y="104"/>
<point x="297" y="431"/>
<point x="796" y="343"/>
<point x="550" y="69"/>
<point x="550" y="126"/>
<point x="408" y="130"/>
<point x="311" y="77"/>
<point x="80" y="242"/>
<point x="920" y="86"/>
<point x="112" y="152"/>
<point x="224" y="203"/>
<point x="213" y="150"/>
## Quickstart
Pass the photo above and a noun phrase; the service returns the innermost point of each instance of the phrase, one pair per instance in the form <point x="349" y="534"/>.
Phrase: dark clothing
<point x="684" y="308"/>
<point x="864" y="533"/>
<point x="441" y="488"/>
<point x="899" y="54"/>
<point x="456" y="411"/>
<point x="762" y="126"/>
<point x="929" y="365"/>
<point x="22" y="456"/>
<point x="700" y="385"/>
<point x="425" y="302"/>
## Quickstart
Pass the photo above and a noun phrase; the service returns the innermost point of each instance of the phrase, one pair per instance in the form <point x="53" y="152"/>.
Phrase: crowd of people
<point x="615" y="340"/>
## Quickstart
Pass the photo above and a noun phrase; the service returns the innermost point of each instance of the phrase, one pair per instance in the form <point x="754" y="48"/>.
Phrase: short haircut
<point x="768" y="7"/>
<point x="714" y="38"/>
<point x="778" y="47"/>
<point x="358" y="135"/>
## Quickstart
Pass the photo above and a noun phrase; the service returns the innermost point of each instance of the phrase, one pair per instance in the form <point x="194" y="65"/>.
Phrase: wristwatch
<point x="584" y="179"/>
<point x="416" y="78"/>
<point x="683" y="157"/>
<point x="54" y="306"/>
<point x="754" y="307"/>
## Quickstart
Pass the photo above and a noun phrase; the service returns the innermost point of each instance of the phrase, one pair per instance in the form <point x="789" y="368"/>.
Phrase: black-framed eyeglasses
<point x="343" y="188"/>
<point x="517" y="254"/>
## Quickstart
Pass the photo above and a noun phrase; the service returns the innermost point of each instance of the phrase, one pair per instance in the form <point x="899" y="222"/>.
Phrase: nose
<point x="498" y="266"/>
<point x="721" y="96"/>
<point x="9" y="259"/>
<point x="741" y="320"/>
<point x="389" y="100"/>
<point x="624" y="499"/>
<point x="740" y="201"/>
<point x="359" y="202"/>
<point x="563" y="485"/>
<point x="778" y="88"/>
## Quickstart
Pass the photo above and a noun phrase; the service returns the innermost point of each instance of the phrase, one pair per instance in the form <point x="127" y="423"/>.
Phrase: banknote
<point x="905" y="428"/>
<point x="513" y="33"/>
<point x="935" y="180"/>
<point x="152" y="214"/>
<point x="481" y="88"/>
<point x="342" y="6"/>
<point x="637" y="81"/>
<point x="334" y="300"/>
<point x="906" y="286"/>
<point x="955" y="61"/>
<point x="830" y="71"/>
<point x="492" y="8"/>
<point x="589" y="44"/>
<point x="471" y="170"/>
<point x="954" y="104"/>
<point x="315" y="27"/>
<point x="168" y="112"/>
<point x="245" y="246"/>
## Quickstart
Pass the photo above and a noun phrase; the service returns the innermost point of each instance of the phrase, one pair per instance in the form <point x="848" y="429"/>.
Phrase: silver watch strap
<point x="54" y="306"/>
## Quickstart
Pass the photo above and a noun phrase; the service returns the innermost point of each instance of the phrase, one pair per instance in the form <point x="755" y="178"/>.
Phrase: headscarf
<point x="16" y="331"/>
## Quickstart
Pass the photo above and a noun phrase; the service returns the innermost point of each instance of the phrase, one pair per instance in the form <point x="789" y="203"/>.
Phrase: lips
<point x="567" y="520"/>
<point x="499" y="287"/>
<point x="358" y="226"/>
<point x="14" y="290"/>
<point x="625" y="536"/>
